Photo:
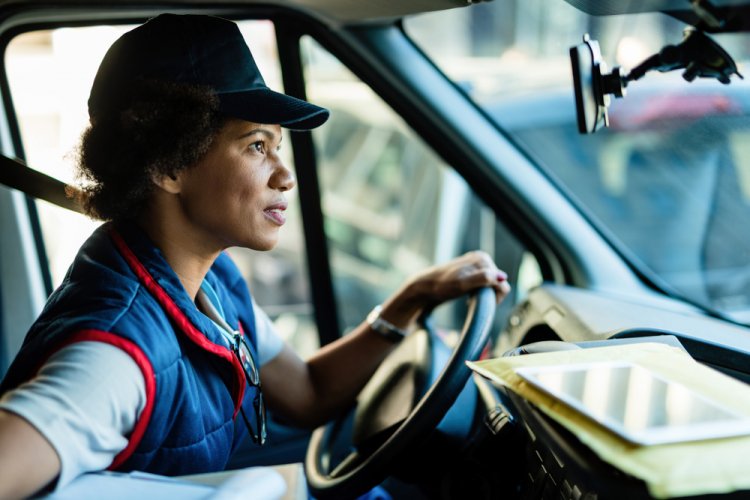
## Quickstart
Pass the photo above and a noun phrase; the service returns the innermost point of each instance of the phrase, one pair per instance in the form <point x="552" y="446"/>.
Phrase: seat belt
<point x="17" y="175"/>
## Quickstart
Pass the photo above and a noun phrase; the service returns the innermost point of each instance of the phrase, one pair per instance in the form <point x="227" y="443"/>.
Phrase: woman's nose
<point x="282" y="179"/>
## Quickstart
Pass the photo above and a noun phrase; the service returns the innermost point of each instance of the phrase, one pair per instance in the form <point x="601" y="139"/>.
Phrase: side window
<point x="50" y="74"/>
<point x="391" y="205"/>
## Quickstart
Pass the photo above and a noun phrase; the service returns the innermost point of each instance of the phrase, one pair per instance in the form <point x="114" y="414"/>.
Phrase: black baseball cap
<point x="199" y="50"/>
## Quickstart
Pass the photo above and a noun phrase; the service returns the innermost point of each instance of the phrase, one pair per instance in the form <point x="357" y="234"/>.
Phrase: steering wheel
<point x="384" y="431"/>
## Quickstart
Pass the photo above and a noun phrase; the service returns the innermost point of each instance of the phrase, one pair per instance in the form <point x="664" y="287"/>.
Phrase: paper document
<point x="259" y="483"/>
<point x="675" y="469"/>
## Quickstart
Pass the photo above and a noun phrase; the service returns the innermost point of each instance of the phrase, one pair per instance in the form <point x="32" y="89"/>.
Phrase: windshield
<point x="669" y="181"/>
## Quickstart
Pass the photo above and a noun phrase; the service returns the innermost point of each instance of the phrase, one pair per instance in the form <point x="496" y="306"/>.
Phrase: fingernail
<point x="501" y="276"/>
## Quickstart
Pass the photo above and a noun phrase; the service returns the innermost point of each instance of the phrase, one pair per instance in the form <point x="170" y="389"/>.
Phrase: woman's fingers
<point x="490" y="275"/>
<point x="502" y="290"/>
<point x="468" y="272"/>
<point x="444" y="282"/>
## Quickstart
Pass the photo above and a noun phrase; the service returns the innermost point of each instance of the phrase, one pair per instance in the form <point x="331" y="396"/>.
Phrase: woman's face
<point x="235" y="195"/>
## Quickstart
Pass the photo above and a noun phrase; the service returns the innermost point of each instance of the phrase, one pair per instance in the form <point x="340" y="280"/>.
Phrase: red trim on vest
<point x="182" y="321"/>
<point x="147" y="370"/>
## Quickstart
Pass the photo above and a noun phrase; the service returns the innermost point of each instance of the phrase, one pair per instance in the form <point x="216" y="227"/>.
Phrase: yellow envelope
<point x="681" y="469"/>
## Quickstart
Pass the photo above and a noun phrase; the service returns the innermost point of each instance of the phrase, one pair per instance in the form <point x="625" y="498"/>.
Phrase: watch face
<point x="374" y="315"/>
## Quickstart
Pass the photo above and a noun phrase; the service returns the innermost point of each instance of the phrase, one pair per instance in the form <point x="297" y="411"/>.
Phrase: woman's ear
<point x="168" y="182"/>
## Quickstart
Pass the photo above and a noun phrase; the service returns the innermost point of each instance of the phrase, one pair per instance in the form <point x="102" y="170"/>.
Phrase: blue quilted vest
<point x="120" y="290"/>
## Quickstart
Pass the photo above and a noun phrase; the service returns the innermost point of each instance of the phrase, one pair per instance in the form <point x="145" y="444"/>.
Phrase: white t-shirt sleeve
<point x="268" y="341"/>
<point x="84" y="401"/>
<point x="87" y="398"/>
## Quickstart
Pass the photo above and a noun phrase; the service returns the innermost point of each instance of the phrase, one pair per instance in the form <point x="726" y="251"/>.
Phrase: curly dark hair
<point x="162" y="129"/>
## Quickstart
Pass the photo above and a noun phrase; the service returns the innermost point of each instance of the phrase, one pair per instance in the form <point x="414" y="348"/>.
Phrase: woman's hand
<point x="444" y="282"/>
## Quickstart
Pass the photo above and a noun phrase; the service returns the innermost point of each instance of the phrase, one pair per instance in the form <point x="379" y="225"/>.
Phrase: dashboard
<point x="562" y="313"/>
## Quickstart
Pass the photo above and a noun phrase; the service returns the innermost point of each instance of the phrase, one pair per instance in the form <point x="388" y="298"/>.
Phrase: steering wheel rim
<point x="425" y="416"/>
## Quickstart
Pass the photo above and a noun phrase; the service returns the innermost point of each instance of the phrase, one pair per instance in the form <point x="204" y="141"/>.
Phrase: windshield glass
<point x="668" y="181"/>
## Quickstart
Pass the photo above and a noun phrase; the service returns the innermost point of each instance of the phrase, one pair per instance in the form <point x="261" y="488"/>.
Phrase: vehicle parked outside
<point x="666" y="180"/>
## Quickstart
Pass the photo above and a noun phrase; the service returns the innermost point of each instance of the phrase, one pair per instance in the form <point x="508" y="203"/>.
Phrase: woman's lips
<point x="276" y="213"/>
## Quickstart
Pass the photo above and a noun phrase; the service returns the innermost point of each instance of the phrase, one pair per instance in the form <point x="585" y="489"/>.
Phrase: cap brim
<point x="267" y="106"/>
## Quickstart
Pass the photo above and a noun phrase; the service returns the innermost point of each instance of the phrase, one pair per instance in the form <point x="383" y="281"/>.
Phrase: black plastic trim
<point x="318" y="263"/>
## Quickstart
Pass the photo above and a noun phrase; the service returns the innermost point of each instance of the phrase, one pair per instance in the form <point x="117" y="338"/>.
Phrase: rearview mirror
<point x="593" y="85"/>
<point x="585" y="59"/>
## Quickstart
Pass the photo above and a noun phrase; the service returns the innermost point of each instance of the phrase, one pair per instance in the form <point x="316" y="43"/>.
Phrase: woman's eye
<point x="258" y="147"/>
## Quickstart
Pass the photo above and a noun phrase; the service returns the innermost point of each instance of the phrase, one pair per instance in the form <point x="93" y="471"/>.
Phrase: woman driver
<point x="149" y="350"/>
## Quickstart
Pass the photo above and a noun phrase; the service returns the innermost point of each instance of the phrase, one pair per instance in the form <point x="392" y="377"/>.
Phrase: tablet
<point x="637" y="404"/>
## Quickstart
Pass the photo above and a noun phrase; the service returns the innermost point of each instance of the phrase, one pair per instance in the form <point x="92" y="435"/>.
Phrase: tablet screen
<point x="637" y="404"/>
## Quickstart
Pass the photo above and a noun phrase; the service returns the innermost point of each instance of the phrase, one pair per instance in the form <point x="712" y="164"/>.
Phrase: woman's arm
<point x="80" y="407"/>
<point x="310" y="393"/>
<point x="27" y="460"/>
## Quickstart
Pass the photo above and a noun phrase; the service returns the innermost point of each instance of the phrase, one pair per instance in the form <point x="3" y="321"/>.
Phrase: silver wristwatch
<point x="383" y="327"/>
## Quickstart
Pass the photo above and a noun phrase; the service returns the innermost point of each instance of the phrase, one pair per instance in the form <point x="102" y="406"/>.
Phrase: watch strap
<point x="383" y="327"/>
